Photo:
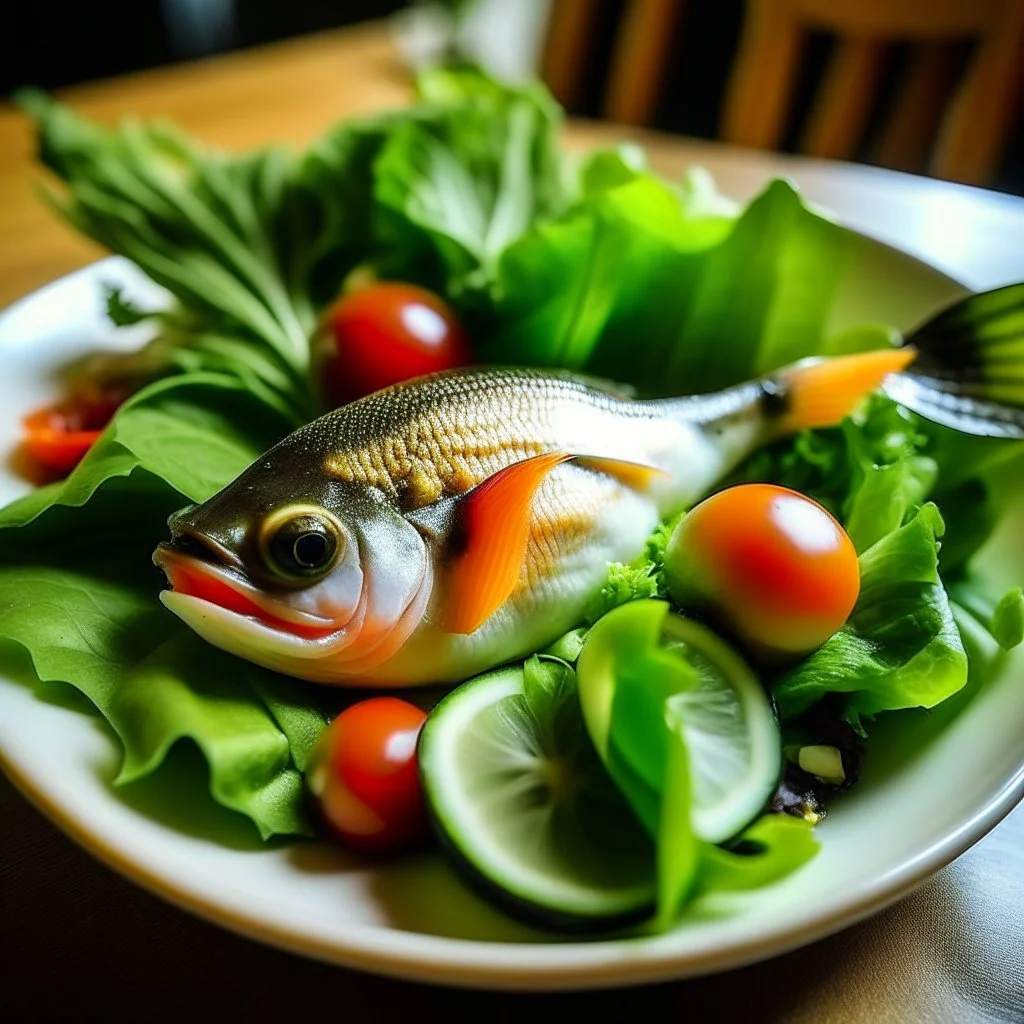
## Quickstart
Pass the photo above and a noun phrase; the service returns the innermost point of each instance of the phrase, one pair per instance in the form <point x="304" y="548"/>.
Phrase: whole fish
<point x="452" y="523"/>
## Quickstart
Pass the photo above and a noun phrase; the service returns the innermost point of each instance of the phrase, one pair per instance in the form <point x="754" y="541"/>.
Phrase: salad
<point x="677" y="733"/>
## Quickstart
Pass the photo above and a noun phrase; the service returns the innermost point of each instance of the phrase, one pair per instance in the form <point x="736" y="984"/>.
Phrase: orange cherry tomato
<point x="769" y="564"/>
<point x="364" y="776"/>
<point x="385" y="333"/>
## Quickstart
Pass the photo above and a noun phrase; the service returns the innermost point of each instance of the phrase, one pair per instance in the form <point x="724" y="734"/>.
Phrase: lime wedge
<point x="521" y="801"/>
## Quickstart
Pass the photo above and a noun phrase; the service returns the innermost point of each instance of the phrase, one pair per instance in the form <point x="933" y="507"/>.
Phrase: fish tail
<point x="821" y="393"/>
<point x="969" y="371"/>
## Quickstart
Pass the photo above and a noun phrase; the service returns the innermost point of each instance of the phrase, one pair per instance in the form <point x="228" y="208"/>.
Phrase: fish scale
<point x="421" y="443"/>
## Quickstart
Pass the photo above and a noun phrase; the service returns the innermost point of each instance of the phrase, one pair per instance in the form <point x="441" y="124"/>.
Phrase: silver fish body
<point x="390" y="484"/>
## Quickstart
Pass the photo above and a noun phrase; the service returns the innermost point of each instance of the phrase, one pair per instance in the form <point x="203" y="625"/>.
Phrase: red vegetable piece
<point x="364" y="776"/>
<point x="56" y="437"/>
<point x="386" y="333"/>
<point x="767" y="563"/>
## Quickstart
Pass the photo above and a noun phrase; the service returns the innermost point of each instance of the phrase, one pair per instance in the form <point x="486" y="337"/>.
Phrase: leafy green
<point x="548" y="683"/>
<point x="642" y="578"/>
<point x="1007" y="622"/>
<point x="474" y="173"/>
<point x="78" y="592"/>
<point x="989" y="626"/>
<point x="567" y="647"/>
<point x="642" y="259"/>
<point x="769" y="850"/>
<point x="629" y="685"/>
<point x="199" y="223"/>
<point x="679" y="848"/>
<point x="182" y="689"/>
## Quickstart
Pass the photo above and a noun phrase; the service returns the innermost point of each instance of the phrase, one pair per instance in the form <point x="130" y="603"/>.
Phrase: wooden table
<point x="290" y="92"/>
<point x="123" y="953"/>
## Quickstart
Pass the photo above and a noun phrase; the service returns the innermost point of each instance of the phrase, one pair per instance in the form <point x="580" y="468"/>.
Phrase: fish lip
<point x="172" y="559"/>
<point x="185" y="540"/>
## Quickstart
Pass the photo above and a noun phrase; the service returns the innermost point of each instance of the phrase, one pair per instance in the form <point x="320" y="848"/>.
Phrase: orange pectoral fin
<point x="491" y="534"/>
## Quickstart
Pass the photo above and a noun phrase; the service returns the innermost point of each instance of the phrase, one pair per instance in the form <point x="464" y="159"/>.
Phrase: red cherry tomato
<point x="364" y="776"/>
<point x="769" y="564"/>
<point x="386" y="333"/>
<point x="58" y="436"/>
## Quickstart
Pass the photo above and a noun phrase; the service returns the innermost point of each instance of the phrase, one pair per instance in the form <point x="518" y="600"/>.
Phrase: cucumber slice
<point x="643" y="665"/>
<point x="521" y="801"/>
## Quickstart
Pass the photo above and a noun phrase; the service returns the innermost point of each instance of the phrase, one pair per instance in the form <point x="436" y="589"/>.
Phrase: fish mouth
<point x="200" y="570"/>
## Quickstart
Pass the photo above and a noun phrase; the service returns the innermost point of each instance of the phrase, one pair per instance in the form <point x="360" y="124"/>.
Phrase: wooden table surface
<point x="288" y="93"/>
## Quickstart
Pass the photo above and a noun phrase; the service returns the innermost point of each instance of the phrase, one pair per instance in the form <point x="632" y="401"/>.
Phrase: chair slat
<point x="908" y="131"/>
<point x="639" y="62"/>
<point x="840" y="113"/>
<point x="762" y="80"/>
<point x="565" y="51"/>
<point x="971" y="139"/>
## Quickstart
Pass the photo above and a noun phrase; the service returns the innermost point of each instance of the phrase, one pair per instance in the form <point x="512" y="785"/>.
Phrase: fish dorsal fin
<point x="487" y="530"/>
<point x="637" y="475"/>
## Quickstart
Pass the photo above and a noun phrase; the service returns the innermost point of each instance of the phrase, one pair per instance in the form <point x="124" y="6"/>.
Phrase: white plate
<point x="924" y="799"/>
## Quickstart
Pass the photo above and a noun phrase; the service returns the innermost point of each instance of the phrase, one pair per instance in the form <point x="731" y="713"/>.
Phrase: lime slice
<point x="523" y="804"/>
<point x="645" y="673"/>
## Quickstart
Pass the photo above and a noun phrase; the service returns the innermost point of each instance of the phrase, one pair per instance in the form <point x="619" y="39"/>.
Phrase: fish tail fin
<point x="969" y="372"/>
<point x="822" y="392"/>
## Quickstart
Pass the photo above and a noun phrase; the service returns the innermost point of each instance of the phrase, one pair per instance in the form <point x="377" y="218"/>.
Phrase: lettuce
<point x="642" y="578"/>
<point x="641" y="260"/>
<point x="588" y="262"/>
<point x="78" y="592"/>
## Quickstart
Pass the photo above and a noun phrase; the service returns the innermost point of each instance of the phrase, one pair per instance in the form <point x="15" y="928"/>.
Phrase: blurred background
<point x="931" y="86"/>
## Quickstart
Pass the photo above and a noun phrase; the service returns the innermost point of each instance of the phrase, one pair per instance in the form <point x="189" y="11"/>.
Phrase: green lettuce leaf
<point x="640" y="259"/>
<point x="989" y="626"/>
<point x="473" y="173"/>
<point x="640" y="579"/>
<point x="78" y="592"/>
<point x="773" y="847"/>
<point x="195" y="432"/>
<point x="185" y="690"/>
<point x="200" y="223"/>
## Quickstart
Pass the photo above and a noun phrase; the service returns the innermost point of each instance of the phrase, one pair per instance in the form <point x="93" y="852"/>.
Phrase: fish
<point x="455" y="522"/>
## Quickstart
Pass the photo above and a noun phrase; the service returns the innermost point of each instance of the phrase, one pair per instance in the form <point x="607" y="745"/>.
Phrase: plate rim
<point x="429" y="958"/>
<point x="424" y="967"/>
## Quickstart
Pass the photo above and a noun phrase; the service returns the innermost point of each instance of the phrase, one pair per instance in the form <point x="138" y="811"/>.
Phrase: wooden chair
<point x="642" y="43"/>
<point x="974" y="117"/>
<point x="978" y="118"/>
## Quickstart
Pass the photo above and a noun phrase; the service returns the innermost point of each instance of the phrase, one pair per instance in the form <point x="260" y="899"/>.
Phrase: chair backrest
<point x="973" y="111"/>
<point x="977" y="118"/>
<point x="643" y="38"/>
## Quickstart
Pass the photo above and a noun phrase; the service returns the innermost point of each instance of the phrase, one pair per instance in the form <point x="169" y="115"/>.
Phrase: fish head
<point x="298" y="572"/>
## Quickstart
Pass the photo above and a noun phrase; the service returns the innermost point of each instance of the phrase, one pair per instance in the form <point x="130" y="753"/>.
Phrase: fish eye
<point x="300" y="542"/>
